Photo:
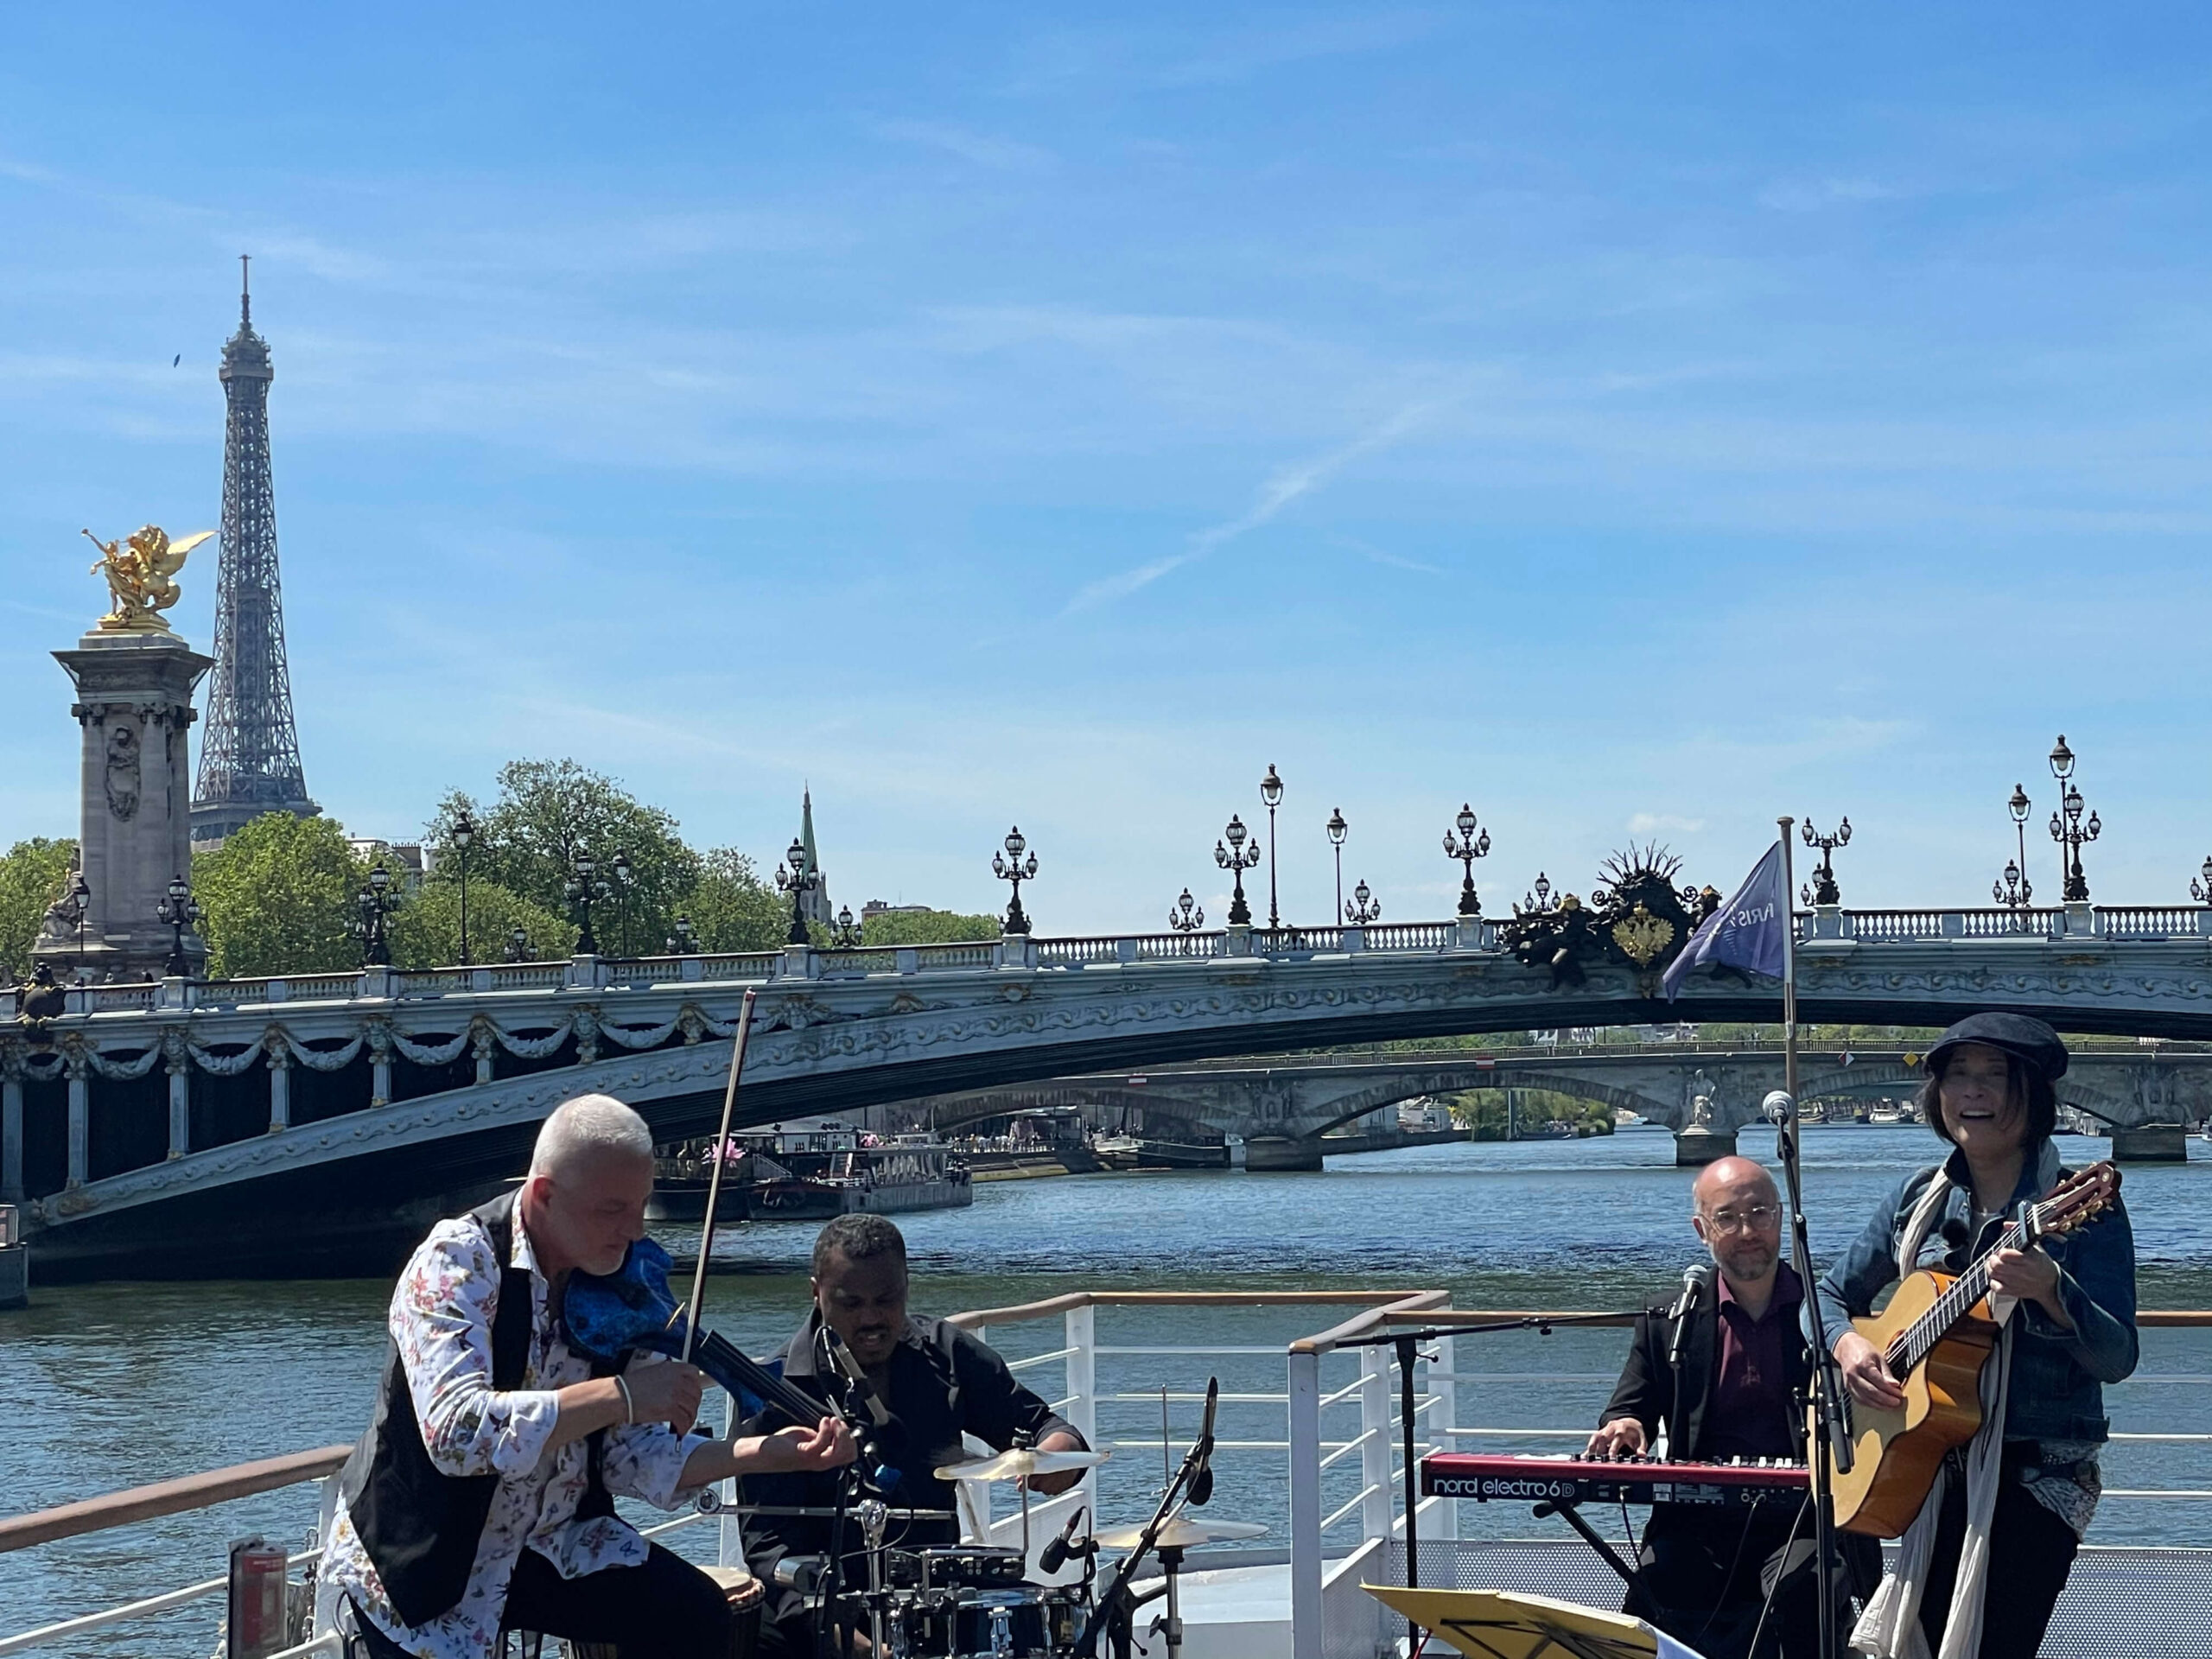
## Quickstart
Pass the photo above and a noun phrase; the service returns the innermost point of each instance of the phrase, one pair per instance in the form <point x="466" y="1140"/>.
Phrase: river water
<point x="110" y="1386"/>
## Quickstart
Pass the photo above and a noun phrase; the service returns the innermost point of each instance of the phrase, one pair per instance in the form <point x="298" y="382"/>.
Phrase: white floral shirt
<point x="441" y="1319"/>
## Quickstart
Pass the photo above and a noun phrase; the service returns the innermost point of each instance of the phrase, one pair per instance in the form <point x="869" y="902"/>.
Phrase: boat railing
<point x="1340" y="1444"/>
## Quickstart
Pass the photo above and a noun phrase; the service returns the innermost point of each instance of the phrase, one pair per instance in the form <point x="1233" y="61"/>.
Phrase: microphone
<point x="1695" y="1278"/>
<point x="1202" y="1477"/>
<point x="1779" y="1106"/>
<point x="1054" y="1555"/>
<point x="801" y="1573"/>
<point x="863" y="1390"/>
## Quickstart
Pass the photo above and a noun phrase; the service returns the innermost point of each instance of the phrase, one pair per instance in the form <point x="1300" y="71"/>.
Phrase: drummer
<point x="937" y="1382"/>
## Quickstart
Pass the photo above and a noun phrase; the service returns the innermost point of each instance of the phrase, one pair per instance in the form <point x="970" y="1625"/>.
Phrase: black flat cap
<point x="2027" y="1039"/>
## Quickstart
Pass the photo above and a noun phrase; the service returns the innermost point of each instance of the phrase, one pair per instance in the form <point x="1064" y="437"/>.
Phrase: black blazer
<point x="1651" y="1389"/>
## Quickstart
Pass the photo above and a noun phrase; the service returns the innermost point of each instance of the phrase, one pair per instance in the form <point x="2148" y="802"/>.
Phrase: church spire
<point x="815" y="906"/>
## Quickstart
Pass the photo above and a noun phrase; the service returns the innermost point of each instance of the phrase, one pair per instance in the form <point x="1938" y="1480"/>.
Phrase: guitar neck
<point x="1957" y="1301"/>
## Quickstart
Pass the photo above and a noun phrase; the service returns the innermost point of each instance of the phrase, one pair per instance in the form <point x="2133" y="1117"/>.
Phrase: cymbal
<point x="1184" y="1532"/>
<point x="1020" y="1464"/>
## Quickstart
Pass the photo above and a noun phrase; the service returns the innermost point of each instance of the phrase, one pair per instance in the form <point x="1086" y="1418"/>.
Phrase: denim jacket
<point x="2056" y="1391"/>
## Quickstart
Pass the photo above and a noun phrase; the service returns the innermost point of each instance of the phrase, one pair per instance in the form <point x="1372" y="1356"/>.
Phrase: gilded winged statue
<point x="140" y="572"/>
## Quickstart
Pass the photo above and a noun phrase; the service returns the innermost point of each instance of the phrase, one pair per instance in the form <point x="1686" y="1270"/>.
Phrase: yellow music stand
<point x="1498" y="1625"/>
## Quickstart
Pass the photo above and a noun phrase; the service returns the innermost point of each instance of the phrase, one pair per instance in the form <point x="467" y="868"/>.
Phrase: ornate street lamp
<point x="518" y="943"/>
<point x="1360" y="914"/>
<point x="1538" y="898"/>
<point x="1184" y="918"/>
<point x="80" y="901"/>
<point x="795" y="876"/>
<point x="846" y="934"/>
<point x="621" y="893"/>
<point x="1338" y="827"/>
<point x="2202" y="890"/>
<point x="684" y="942"/>
<point x="1233" y="859"/>
<point x="1011" y="869"/>
<point x="178" y="911"/>
<point x="1823" y="889"/>
<point x="2066" y="825"/>
<point x="583" y="889"/>
<point x="375" y="901"/>
<point x="2018" y="806"/>
<point x="1467" y="848"/>
<point x="2012" y="889"/>
<point x="459" y="834"/>
<point x="1271" y="794"/>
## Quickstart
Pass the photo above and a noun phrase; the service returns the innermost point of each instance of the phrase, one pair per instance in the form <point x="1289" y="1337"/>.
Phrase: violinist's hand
<point x="1621" y="1438"/>
<point x="1865" y="1373"/>
<point x="828" y="1445"/>
<point x="665" y="1393"/>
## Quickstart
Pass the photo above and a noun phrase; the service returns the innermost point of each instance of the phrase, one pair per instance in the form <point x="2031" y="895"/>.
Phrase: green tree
<point x="548" y="811"/>
<point x="32" y="876"/>
<point x="732" y="908"/>
<point x="278" y="898"/>
<point x="927" y="927"/>
<point x="426" y="930"/>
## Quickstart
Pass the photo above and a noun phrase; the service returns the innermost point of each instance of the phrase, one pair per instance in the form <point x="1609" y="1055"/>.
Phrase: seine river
<point x="109" y="1386"/>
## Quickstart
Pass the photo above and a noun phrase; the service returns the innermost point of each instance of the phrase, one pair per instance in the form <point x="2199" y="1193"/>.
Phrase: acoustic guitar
<point x="1937" y="1333"/>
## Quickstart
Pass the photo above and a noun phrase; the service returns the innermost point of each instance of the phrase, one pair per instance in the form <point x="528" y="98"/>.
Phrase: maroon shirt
<point x="1750" y="1411"/>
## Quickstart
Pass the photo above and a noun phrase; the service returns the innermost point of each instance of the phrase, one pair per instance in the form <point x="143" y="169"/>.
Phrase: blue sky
<point x="1634" y="420"/>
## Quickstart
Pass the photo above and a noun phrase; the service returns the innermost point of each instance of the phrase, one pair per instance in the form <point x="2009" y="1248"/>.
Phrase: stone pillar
<point x="2150" y="1143"/>
<point x="1701" y="1144"/>
<point x="278" y="1054"/>
<point x="1282" y="1152"/>
<point x="11" y="1123"/>
<point x="134" y="707"/>
<point x="75" y="1065"/>
<point x="179" y="1060"/>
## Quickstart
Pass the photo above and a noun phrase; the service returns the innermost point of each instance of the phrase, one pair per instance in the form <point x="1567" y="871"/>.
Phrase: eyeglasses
<point x="1755" y="1218"/>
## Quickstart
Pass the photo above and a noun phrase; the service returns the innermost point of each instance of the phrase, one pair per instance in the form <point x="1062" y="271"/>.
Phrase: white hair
<point x="578" y="1128"/>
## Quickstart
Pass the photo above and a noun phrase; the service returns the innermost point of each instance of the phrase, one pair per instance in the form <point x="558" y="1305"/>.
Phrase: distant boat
<point x="812" y="1173"/>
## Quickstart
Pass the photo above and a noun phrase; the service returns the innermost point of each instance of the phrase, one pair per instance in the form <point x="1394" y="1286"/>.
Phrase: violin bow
<point x="715" y="1179"/>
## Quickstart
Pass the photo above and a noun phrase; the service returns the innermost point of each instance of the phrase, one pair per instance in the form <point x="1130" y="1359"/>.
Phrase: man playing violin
<point x="481" y="1498"/>
<point x="1721" y="1370"/>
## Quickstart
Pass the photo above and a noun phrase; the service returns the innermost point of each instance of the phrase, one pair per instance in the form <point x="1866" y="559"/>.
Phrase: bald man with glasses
<point x="1719" y="1374"/>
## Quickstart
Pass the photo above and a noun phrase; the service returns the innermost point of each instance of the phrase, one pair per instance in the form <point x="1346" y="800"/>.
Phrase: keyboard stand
<point x="1572" y="1513"/>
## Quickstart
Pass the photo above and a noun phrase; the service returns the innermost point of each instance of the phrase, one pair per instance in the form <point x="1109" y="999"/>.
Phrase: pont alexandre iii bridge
<point x="313" y="1124"/>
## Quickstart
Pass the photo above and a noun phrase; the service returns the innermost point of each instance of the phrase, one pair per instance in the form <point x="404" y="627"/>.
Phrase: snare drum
<point x="1019" y="1621"/>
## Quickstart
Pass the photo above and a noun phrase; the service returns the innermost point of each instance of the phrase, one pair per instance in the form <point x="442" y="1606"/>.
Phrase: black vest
<point x="421" y="1527"/>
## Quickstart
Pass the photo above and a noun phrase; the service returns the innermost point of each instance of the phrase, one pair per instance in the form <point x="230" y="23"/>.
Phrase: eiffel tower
<point x="250" y="762"/>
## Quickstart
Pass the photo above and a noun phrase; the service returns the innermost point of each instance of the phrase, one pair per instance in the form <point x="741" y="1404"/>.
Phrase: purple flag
<point x="1745" y="932"/>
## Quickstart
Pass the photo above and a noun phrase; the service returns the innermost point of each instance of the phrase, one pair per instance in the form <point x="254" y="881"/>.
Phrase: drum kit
<point x="974" y="1602"/>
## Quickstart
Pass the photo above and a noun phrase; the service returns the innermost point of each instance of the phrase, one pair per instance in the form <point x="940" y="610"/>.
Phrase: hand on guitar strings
<point x="1621" y="1438"/>
<point x="1865" y="1373"/>
<point x="2030" y="1275"/>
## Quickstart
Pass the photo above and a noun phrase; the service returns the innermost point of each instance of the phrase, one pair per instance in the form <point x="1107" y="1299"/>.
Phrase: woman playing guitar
<point x="2028" y="1497"/>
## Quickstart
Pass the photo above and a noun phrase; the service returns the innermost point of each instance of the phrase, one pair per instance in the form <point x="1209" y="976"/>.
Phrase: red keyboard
<point x="1489" y="1478"/>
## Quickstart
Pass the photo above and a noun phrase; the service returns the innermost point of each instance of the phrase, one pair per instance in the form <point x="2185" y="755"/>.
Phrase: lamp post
<point x="583" y="889"/>
<point x="461" y="833"/>
<point x="1271" y="793"/>
<point x="1359" y="914"/>
<point x="1011" y="869"/>
<point x="684" y="942"/>
<point x="1467" y="849"/>
<point x="798" y="877"/>
<point x="1539" y="897"/>
<point x="846" y="935"/>
<point x="375" y="901"/>
<point x="1337" y="829"/>
<point x="622" y="891"/>
<point x="178" y="911"/>
<point x="1823" y="889"/>
<point x="2018" y="806"/>
<point x="1184" y="918"/>
<point x="2202" y="890"/>
<point x="2066" y="827"/>
<point x="518" y="943"/>
<point x="2013" y="890"/>
<point x="80" y="901"/>
<point x="1233" y="859"/>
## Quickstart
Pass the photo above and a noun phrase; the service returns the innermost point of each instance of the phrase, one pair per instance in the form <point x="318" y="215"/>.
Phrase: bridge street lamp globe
<point x="1185" y="915"/>
<point x="1538" y="898"/>
<point x="80" y="902"/>
<point x="1360" y="913"/>
<point x="518" y="943"/>
<point x="1822" y="890"/>
<point x="684" y="942"/>
<point x="2013" y="890"/>
<point x="375" y="901"/>
<point x="1467" y="848"/>
<point x="583" y="889"/>
<point x="1271" y="794"/>
<point x="845" y="935"/>
<point x="795" y="876"/>
<point x="177" y="912"/>
<point x="1010" y="868"/>
<point x="1337" y="829"/>
<point x="2067" y="827"/>
<point x="2201" y="889"/>
<point x="2018" y="806"/>
<point x="459" y="835"/>
<point x="1236" y="859"/>
<point x="620" y="892"/>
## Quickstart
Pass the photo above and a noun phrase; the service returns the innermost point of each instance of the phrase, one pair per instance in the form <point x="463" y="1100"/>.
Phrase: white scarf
<point x="1890" y="1628"/>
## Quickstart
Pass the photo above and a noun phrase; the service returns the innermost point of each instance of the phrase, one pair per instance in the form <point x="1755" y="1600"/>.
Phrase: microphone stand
<point x="1830" y="1405"/>
<point x="1114" y="1601"/>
